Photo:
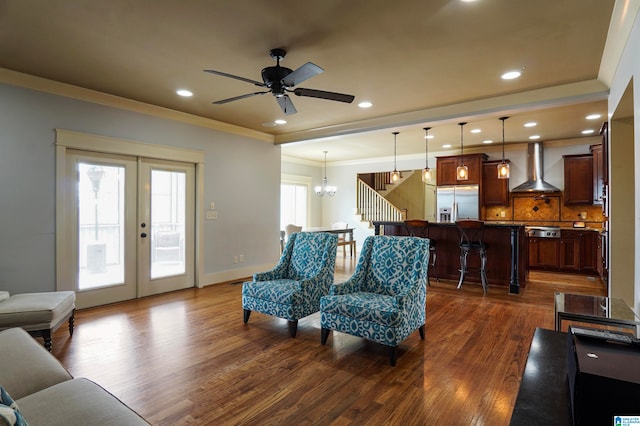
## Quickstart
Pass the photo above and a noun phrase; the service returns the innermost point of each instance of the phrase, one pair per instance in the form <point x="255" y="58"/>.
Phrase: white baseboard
<point x="232" y="274"/>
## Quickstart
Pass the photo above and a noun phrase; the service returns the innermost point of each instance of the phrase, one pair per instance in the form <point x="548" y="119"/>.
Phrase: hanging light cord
<point x="325" y="164"/>
<point x="395" y="134"/>
<point x="503" y="118"/>
<point x="426" y="147"/>
<point x="462" y="143"/>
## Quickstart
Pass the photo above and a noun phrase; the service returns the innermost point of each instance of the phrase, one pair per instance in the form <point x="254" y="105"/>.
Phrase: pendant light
<point x="325" y="188"/>
<point x="426" y="172"/>
<point x="503" y="167"/>
<point x="462" y="171"/>
<point x="395" y="175"/>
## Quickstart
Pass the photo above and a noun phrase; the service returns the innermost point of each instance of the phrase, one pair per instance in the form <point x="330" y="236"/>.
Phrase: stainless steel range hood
<point x="535" y="176"/>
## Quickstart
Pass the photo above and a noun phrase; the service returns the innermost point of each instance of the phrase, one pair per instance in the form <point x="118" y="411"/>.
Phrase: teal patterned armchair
<point x="292" y="290"/>
<point x="385" y="299"/>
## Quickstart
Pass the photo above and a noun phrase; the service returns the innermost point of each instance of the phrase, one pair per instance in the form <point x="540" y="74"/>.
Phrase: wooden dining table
<point x="348" y="236"/>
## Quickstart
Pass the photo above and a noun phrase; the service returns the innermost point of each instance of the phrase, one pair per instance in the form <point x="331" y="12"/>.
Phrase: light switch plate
<point x="212" y="215"/>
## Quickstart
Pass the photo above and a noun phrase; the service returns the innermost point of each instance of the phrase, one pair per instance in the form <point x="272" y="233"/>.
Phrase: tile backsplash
<point x="544" y="210"/>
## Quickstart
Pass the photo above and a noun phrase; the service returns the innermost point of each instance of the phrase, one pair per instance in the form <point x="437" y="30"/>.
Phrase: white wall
<point x="242" y="176"/>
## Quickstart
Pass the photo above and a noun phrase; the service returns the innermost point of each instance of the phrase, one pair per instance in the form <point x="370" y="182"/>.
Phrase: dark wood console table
<point x="543" y="398"/>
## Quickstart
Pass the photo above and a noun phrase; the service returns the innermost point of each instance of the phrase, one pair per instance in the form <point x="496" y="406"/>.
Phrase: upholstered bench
<point x="40" y="314"/>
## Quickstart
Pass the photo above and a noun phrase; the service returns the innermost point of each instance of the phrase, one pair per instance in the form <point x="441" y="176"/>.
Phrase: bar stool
<point x="420" y="228"/>
<point x="471" y="234"/>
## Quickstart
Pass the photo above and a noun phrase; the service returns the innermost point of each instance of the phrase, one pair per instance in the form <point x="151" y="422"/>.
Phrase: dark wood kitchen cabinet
<point x="446" y="169"/>
<point x="569" y="253"/>
<point x="543" y="253"/>
<point x="578" y="251"/>
<point x="495" y="192"/>
<point x="578" y="179"/>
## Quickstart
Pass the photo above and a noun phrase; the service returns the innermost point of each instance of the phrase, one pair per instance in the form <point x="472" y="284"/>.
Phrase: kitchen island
<point x="506" y="252"/>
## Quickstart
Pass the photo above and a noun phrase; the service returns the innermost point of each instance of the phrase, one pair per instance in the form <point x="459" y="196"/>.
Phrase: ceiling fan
<point x="281" y="80"/>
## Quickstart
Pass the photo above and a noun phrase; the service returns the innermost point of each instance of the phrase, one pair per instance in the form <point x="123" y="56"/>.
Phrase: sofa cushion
<point x="77" y="402"/>
<point x="36" y="309"/>
<point x="9" y="411"/>
<point x="27" y="367"/>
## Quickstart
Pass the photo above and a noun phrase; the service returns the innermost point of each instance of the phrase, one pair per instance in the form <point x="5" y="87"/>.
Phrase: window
<point x="294" y="200"/>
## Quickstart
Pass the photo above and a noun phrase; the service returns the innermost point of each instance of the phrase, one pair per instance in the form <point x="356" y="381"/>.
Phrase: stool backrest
<point x="471" y="232"/>
<point x="417" y="228"/>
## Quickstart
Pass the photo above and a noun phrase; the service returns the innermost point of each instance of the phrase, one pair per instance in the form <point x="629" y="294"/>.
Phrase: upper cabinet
<point x="495" y="192"/>
<point x="578" y="179"/>
<point x="446" y="169"/>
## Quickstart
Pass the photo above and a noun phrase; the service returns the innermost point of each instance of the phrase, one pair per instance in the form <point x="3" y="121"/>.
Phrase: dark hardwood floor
<point x="187" y="358"/>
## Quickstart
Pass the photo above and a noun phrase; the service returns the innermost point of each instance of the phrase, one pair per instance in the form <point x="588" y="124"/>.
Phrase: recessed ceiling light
<point x="280" y="121"/>
<point x="510" y="75"/>
<point x="530" y="124"/>
<point x="593" y="116"/>
<point x="476" y="131"/>
<point x="534" y="137"/>
<point x="365" y="104"/>
<point x="269" y="124"/>
<point x="446" y="146"/>
<point x="487" y="141"/>
<point x="184" y="93"/>
<point x="587" y="131"/>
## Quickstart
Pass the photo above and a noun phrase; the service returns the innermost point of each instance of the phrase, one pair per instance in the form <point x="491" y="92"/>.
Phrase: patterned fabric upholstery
<point x="385" y="299"/>
<point x="292" y="290"/>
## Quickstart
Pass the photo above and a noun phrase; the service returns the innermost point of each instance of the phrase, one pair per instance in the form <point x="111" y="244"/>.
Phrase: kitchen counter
<point x="506" y="252"/>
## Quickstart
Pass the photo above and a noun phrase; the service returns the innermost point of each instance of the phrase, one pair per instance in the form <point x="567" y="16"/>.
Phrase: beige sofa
<point x="45" y="392"/>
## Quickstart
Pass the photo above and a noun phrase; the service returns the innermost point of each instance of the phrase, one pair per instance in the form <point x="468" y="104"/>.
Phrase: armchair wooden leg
<point x="247" y="314"/>
<point x="421" y="330"/>
<point x="392" y="355"/>
<point x="324" y="335"/>
<point x="293" y="328"/>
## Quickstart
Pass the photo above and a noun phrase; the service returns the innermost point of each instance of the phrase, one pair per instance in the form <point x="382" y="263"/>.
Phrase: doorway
<point x="126" y="225"/>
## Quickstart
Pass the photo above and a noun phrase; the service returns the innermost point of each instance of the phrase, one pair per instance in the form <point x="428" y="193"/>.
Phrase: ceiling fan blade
<point x="286" y="105"/>
<point x="248" y="80"/>
<point x="303" y="73"/>
<point x="235" y="98"/>
<point x="332" y="96"/>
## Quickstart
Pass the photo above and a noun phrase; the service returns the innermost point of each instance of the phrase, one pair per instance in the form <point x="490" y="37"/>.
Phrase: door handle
<point x="143" y="235"/>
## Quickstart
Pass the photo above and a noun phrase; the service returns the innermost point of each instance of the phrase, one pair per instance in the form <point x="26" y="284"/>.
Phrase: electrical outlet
<point x="235" y="259"/>
<point x="503" y="214"/>
<point x="241" y="258"/>
<point x="213" y="206"/>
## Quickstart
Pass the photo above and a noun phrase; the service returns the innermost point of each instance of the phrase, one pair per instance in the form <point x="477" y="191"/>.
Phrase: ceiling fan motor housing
<point x="272" y="77"/>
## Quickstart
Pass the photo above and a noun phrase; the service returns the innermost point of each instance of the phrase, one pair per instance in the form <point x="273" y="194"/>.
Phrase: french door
<point x="131" y="233"/>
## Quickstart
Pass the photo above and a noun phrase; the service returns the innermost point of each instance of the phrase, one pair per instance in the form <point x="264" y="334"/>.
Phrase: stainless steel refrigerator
<point x="458" y="202"/>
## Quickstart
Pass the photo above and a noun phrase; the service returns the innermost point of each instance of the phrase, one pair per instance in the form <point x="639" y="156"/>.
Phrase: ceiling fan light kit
<point x="282" y="80"/>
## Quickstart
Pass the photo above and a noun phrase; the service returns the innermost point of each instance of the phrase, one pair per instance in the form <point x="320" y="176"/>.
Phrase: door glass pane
<point x="100" y="225"/>
<point x="167" y="223"/>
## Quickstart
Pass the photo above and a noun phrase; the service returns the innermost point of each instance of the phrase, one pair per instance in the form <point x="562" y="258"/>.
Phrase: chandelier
<point x="325" y="188"/>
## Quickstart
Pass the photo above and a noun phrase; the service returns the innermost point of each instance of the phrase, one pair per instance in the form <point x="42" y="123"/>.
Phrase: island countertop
<point x="506" y="252"/>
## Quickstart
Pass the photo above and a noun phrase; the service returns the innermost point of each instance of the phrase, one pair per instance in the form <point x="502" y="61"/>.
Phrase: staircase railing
<point x="373" y="206"/>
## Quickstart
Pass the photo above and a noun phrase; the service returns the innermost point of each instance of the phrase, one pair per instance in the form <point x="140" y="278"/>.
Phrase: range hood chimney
<point x="535" y="176"/>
